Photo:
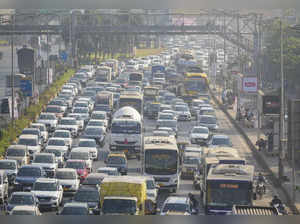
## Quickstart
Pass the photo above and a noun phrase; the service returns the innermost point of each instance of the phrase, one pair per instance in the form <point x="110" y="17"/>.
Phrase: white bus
<point x="127" y="132"/>
<point x="161" y="161"/>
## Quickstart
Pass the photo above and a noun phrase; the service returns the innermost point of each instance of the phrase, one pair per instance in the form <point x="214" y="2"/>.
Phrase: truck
<point x="103" y="74"/>
<point x="105" y="98"/>
<point x="114" y="64"/>
<point x="123" y="195"/>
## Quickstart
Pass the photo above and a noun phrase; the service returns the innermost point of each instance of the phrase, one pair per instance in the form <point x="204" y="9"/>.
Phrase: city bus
<point x="228" y="185"/>
<point x="195" y="83"/>
<point x="136" y="78"/>
<point x="131" y="99"/>
<point x="126" y="132"/>
<point x="162" y="161"/>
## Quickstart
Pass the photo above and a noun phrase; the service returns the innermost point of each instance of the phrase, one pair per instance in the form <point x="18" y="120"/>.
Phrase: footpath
<point x="269" y="162"/>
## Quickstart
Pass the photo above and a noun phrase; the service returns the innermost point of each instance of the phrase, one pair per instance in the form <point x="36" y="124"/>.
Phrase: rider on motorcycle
<point x="194" y="202"/>
<point x="276" y="201"/>
<point x="261" y="181"/>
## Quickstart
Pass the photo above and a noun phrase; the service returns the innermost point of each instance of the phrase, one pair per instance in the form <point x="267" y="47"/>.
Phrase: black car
<point x="89" y="195"/>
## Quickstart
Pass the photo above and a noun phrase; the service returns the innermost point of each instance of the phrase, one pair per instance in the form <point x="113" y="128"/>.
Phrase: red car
<point x="80" y="166"/>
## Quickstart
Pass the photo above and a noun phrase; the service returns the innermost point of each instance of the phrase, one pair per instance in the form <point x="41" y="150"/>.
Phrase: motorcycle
<point x="280" y="208"/>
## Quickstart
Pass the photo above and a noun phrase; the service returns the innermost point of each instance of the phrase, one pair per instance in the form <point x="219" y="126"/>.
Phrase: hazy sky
<point x="152" y="4"/>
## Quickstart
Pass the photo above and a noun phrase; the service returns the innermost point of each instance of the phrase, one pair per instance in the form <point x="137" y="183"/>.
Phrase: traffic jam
<point x="136" y="137"/>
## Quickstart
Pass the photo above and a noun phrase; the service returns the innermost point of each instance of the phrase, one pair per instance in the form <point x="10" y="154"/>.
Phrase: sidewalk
<point x="270" y="160"/>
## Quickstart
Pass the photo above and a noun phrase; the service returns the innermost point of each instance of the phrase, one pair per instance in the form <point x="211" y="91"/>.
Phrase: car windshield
<point x="65" y="175"/>
<point x="41" y="127"/>
<point x="22" y="200"/>
<point x="75" y="165"/>
<point x="108" y="172"/>
<point x="165" y="117"/>
<point x="116" y="160"/>
<point x="221" y="141"/>
<point x="115" y="206"/>
<point x="181" y="108"/>
<point x="173" y="207"/>
<point x="191" y="160"/>
<point x="29" y="172"/>
<point x="30" y="132"/>
<point x="40" y="186"/>
<point x="57" y="102"/>
<point x="81" y="110"/>
<point x="200" y="130"/>
<point x="7" y="165"/>
<point x="81" y="105"/>
<point x="93" y="131"/>
<point x="28" y="142"/>
<point x="15" y="152"/>
<point x="56" y="142"/>
<point x="167" y="123"/>
<point x="150" y="184"/>
<point x="67" y="122"/>
<point x="98" y="116"/>
<point x="125" y="127"/>
<point x="62" y="134"/>
<point x="74" y="211"/>
<point x="96" y="123"/>
<point x="47" y="117"/>
<point x="87" y="196"/>
<point x="92" y="181"/>
<point x="23" y="212"/>
<point x="80" y="155"/>
<point x="43" y="159"/>
<point x="57" y="153"/>
<point x="208" y="120"/>
<point x="87" y="144"/>
<point x="53" y="110"/>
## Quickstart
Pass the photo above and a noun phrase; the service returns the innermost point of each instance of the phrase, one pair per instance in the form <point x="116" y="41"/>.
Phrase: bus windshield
<point x="136" y="77"/>
<point x="228" y="194"/>
<point x="161" y="162"/>
<point x="198" y="85"/>
<point x="125" y="127"/>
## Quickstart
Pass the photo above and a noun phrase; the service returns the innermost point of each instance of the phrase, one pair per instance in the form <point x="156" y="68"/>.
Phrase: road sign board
<point x="26" y="87"/>
<point x="63" y="56"/>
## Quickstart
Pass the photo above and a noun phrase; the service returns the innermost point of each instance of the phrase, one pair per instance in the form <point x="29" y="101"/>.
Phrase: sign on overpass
<point x="26" y="87"/>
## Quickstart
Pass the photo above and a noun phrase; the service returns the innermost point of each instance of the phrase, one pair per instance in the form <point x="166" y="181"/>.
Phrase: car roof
<point x="75" y="204"/>
<point x="220" y="136"/>
<point x="86" y="188"/>
<point x="24" y="208"/>
<point x="28" y="136"/>
<point x="177" y="200"/>
<point x="108" y="168"/>
<point x="22" y="193"/>
<point x="46" y="180"/>
<point x="66" y="170"/>
<point x="86" y="139"/>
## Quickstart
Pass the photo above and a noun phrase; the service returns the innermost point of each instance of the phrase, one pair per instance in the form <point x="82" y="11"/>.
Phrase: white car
<point x="82" y="154"/>
<point x="100" y="115"/>
<point x="49" y="192"/>
<point x="152" y="189"/>
<point x="31" y="142"/>
<point x="176" y="205"/>
<point x="57" y="143"/>
<point x="68" y="179"/>
<point x="79" y="120"/>
<point x="199" y="135"/>
<point x="66" y="135"/>
<point x="90" y="145"/>
<point x="49" y="119"/>
<point x="183" y="113"/>
<point x="68" y="123"/>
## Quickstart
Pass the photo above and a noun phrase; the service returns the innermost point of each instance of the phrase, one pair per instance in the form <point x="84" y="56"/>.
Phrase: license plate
<point x="161" y="185"/>
<point x="126" y="150"/>
<point x="66" y="189"/>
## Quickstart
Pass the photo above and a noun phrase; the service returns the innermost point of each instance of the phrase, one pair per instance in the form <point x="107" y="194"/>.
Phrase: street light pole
<point x="12" y="72"/>
<point x="282" y="128"/>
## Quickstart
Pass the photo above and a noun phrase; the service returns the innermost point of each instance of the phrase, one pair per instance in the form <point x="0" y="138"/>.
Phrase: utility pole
<point x="12" y="71"/>
<point x="48" y="78"/>
<point x="282" y="106"/>
<point x="239" y="64"/>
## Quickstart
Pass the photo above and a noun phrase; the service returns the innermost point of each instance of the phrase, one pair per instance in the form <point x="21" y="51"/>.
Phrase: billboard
<point x="250" y="84"/>
<point x="271" y="105"/>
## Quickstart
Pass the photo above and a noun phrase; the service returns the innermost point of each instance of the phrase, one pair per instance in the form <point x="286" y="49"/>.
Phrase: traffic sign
<point x="63" y="56"/>
<point x="26" y="87"/>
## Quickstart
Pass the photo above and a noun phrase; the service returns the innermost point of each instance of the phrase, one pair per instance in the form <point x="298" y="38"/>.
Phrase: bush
<point x="11" y="133"/>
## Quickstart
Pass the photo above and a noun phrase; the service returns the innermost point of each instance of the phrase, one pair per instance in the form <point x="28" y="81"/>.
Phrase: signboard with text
<point x="249" y="84"/>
